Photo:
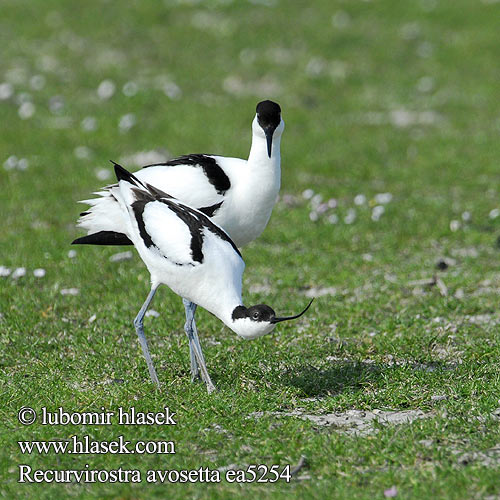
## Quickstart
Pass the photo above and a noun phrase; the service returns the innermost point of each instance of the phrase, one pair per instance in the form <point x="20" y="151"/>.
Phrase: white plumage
<point x="238" y="195"/>
<point x="185" y="250"/>
<point x="245" y="189"/>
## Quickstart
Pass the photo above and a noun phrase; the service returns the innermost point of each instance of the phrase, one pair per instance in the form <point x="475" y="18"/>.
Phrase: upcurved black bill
<point x="269" y="138"/>
<point x="277" y="320"/>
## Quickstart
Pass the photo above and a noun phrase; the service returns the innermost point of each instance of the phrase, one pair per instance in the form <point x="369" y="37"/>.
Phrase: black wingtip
<point x="103" y="238"/>
<point x="121" y="173"/>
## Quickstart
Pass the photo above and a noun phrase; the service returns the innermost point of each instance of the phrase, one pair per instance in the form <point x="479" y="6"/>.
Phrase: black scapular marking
<point x="215" y="175"/>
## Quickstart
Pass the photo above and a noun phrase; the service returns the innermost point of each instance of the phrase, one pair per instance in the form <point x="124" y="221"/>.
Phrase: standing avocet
<point x="183" y="249"/>
<point x="238" y="195"/>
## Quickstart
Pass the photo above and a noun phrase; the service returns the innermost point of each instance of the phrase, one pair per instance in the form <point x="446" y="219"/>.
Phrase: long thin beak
<point x="277" y="320"/>
<point x="269" y="138"/>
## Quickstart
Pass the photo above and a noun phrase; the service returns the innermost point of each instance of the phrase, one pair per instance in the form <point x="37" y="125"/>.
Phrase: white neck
<point x="258" y="152"/>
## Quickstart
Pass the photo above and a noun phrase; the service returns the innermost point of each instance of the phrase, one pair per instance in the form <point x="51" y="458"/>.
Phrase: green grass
<point x="345" y="74"/>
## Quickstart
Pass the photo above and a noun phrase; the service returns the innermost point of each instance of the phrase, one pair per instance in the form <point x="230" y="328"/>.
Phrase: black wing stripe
<point x="195" y="220"/>
<point x="142" y="199"/>
<point x="195" y="228"/>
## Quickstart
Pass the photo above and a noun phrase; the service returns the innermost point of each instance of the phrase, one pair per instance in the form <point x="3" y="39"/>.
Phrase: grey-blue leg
<point x="190" y="329"/>
<point x="138" y="323"/>
<point x="196" y="355"/>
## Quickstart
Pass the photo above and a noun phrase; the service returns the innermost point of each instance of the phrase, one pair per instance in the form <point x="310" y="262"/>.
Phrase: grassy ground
<point x="378" y="97"/>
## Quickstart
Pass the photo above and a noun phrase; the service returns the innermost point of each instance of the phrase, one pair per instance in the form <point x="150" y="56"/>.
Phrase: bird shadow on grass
<point x="354" y="376"/>
<point x="332" y="380"/>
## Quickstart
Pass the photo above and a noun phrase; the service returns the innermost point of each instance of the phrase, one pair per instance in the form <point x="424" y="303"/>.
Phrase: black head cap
<point x="268" y="114"/>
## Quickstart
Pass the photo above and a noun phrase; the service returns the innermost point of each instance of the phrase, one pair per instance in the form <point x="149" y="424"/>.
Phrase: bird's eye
<point x="255" y="315"/>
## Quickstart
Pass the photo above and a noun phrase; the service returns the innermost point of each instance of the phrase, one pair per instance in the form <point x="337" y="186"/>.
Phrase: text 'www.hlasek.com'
<point x="85" y="445"/>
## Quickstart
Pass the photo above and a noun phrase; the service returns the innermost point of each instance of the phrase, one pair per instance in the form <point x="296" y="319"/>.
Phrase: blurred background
<point x="378" y="97"/>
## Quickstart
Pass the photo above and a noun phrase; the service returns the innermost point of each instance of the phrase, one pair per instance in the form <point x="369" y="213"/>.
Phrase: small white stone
<point x="22" y="164"/>
<point x="47" y="63"/>
<point x="37" y="82"/>
<point x="6" y="91"/>
<point x="320" y="291"/>
<point x="89" y="123"/>
<point x="367" y="257"/>
<point x="315" y="66"/>
<point x="492" y="215"/>
<point x="82" y="152"/>
<point x="429" y="5"/>
<point x="126" y="122"/>
<point x="19" y="272"/>
<point x="401" y="117"/>
<point x="4" y="271"/>
<point x="383" y="198"/>
<point x="11" y="162"/>
<point x="92" y="318"/>
<point x="332" y="203"/>
<point x="234" y="85"/>
<point x="103" y="174"/>
<point x="313" y="216"/>
<point x="438" y="397"/>
<point x="377" y="212"/>
<point x="425" y="49"/>
<point x="142" y="158"/>
<point x="425" y="84"/>
<point x="117" y="257"/>
<point x="152" y="313"/>
<point x="316" y="200"/>
<point x="70" y="291"/>
<point x="360" y="199"/>
<point x="350" y="217"/>
<point x="56" y="104"/>
<point x="466" y="216"/>
<point x="172" y="90"/>
<point x="39" y="273"/>
<point x="26" y="110"/>
<point x="106" y="89"/>
<point x="72" y="254"/>
<point x="454" y="225"/>
<point x="333" y="219"/>
<point x="410" y="31"/>
<point x="341" y="19"/>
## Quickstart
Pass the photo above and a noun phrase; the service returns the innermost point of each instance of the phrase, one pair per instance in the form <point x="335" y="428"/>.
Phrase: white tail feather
<point x="104" y="214"/>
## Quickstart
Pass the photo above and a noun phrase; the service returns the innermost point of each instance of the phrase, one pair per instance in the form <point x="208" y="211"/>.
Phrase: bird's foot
<point x="211" y="388"/>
